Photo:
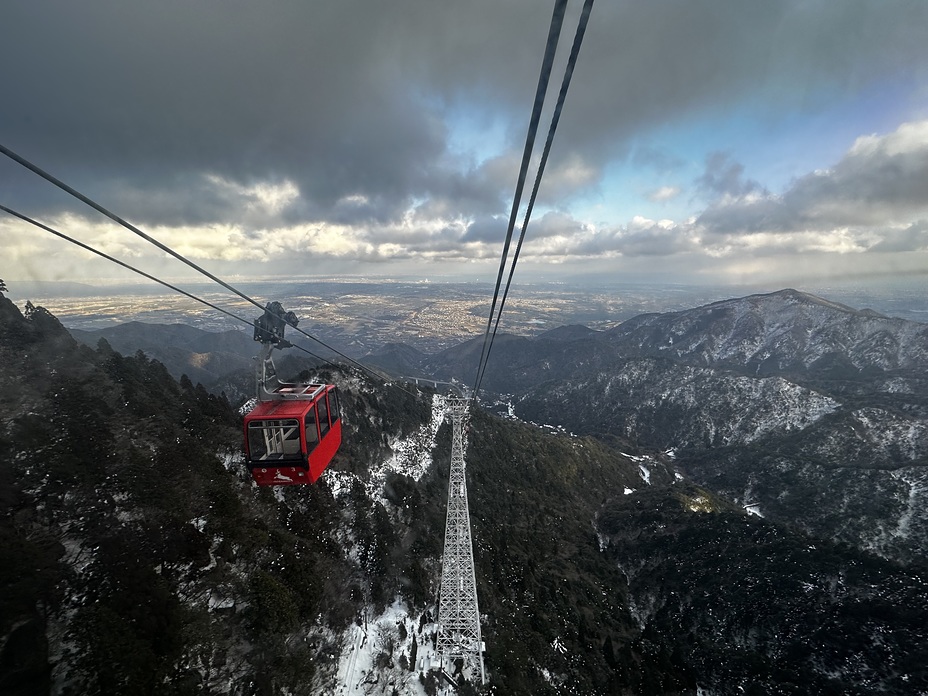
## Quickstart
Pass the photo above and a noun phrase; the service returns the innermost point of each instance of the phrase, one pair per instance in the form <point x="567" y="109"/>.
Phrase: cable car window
<point x="323" y="416"/>
<point x="274" y="439"/>
<point x="333" y="404"/>
<point x="312" y="430"/>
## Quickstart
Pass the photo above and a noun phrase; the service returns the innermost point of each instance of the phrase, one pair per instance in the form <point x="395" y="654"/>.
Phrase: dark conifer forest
<point x="137" y="557"/>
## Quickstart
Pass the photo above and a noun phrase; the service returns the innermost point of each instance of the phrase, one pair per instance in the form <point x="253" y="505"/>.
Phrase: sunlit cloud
<point x="264" y="196"/>
<point x="664" y="193"/>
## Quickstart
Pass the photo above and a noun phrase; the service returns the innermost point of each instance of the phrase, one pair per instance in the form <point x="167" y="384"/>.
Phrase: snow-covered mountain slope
<point x="666" y="404"/>
<point x="825" y="388"/>
<point x="780" y="331"/>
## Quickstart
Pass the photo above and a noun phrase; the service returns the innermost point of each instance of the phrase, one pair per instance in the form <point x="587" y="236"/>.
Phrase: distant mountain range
<point x="782" y="333"/>
<point x="809" y="411"/>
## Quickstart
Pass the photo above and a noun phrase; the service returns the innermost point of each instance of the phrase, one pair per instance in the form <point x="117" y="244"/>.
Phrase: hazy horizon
<point x="532" y="307"/>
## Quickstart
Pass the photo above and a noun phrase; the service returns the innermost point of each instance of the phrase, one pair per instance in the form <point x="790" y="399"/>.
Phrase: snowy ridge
<point x="917" y="481"/>
<point x="412" y="456"/>
<point x="784" y="326"/>
<point x="908" y="524"/>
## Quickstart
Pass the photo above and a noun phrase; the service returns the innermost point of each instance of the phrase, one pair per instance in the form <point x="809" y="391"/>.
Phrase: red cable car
<point x="295" y="429"/>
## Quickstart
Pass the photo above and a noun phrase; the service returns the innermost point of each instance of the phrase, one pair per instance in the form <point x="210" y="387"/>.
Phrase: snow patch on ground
<point x="412" y="456"/>
<point x="642" y="609"/>
<point x="916" y="489"/>
<point x="247" y="406"/>
<point x="374" y="650"/>
<point x="645" y="473"/>
<point x="340" y="482"/>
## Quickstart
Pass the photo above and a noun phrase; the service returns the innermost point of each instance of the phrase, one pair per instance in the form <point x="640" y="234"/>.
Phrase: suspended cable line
<point x="115" y="218"/>
<point x="554" y="32"/>
<point x="180" y="257"/>
<point x="555" y="119"/>
<point x="206" y="303"/>
<point x="492" y="327"/>
<point x="490" y="337"/>
<point x="142" y="273"/>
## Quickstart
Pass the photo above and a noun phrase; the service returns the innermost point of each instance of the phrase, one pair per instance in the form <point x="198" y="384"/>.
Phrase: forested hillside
<point x="138" y="557"/>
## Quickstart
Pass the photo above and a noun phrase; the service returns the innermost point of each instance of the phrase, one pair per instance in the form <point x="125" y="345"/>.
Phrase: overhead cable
<point x="115" y="218"/>
<point x="555" y="119"/>
<point x="180" y="257"/>
<point x="142" y="273"/>
<point x="554" y="32"/>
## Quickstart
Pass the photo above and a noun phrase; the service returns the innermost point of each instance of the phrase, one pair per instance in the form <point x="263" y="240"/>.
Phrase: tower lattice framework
<point x="458" y="614"/>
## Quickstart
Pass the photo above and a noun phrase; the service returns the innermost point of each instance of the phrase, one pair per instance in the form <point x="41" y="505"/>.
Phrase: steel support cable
<point x="206" y="303"/>
<point x="554" y="32"/>
<point x="115" y="218"/>
<point x="555" y="119"/>
<point x="87" y="247"/>
<point x="180" y="257"/>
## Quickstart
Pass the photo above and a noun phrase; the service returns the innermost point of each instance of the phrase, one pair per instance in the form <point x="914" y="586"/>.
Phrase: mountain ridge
<point x="204" y="356"/>
<point x="786" y="327"/>
<point x="138" y="557"/>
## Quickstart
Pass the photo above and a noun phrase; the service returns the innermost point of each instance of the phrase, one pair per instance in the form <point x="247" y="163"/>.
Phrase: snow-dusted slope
<point x="675" y="405"/>
<point x="777" y="331"/>
<point x="824" y="389"/>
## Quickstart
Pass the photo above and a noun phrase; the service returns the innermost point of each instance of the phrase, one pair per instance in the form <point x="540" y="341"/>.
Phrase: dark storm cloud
<point x="139" y="103"/>
<point x="725" y="177"/>
<point x="653" y="62"/>
<point x="492" y="230"/>
<point x="749" y="217"/>
<point x="881" y="177"/>
<point x="470" y="192"/>
<point x="148" y="95"/>
<point x="486" y="229"/>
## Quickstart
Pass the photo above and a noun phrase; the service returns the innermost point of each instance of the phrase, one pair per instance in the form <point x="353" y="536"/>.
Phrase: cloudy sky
<point x="741" y="141"/>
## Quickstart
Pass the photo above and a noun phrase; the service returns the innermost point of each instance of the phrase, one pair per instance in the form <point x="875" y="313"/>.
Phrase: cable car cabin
<point x="292" y="439"/>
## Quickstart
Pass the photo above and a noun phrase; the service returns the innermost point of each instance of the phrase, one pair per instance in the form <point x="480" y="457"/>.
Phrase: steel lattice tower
<point x="458" y="615"/>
